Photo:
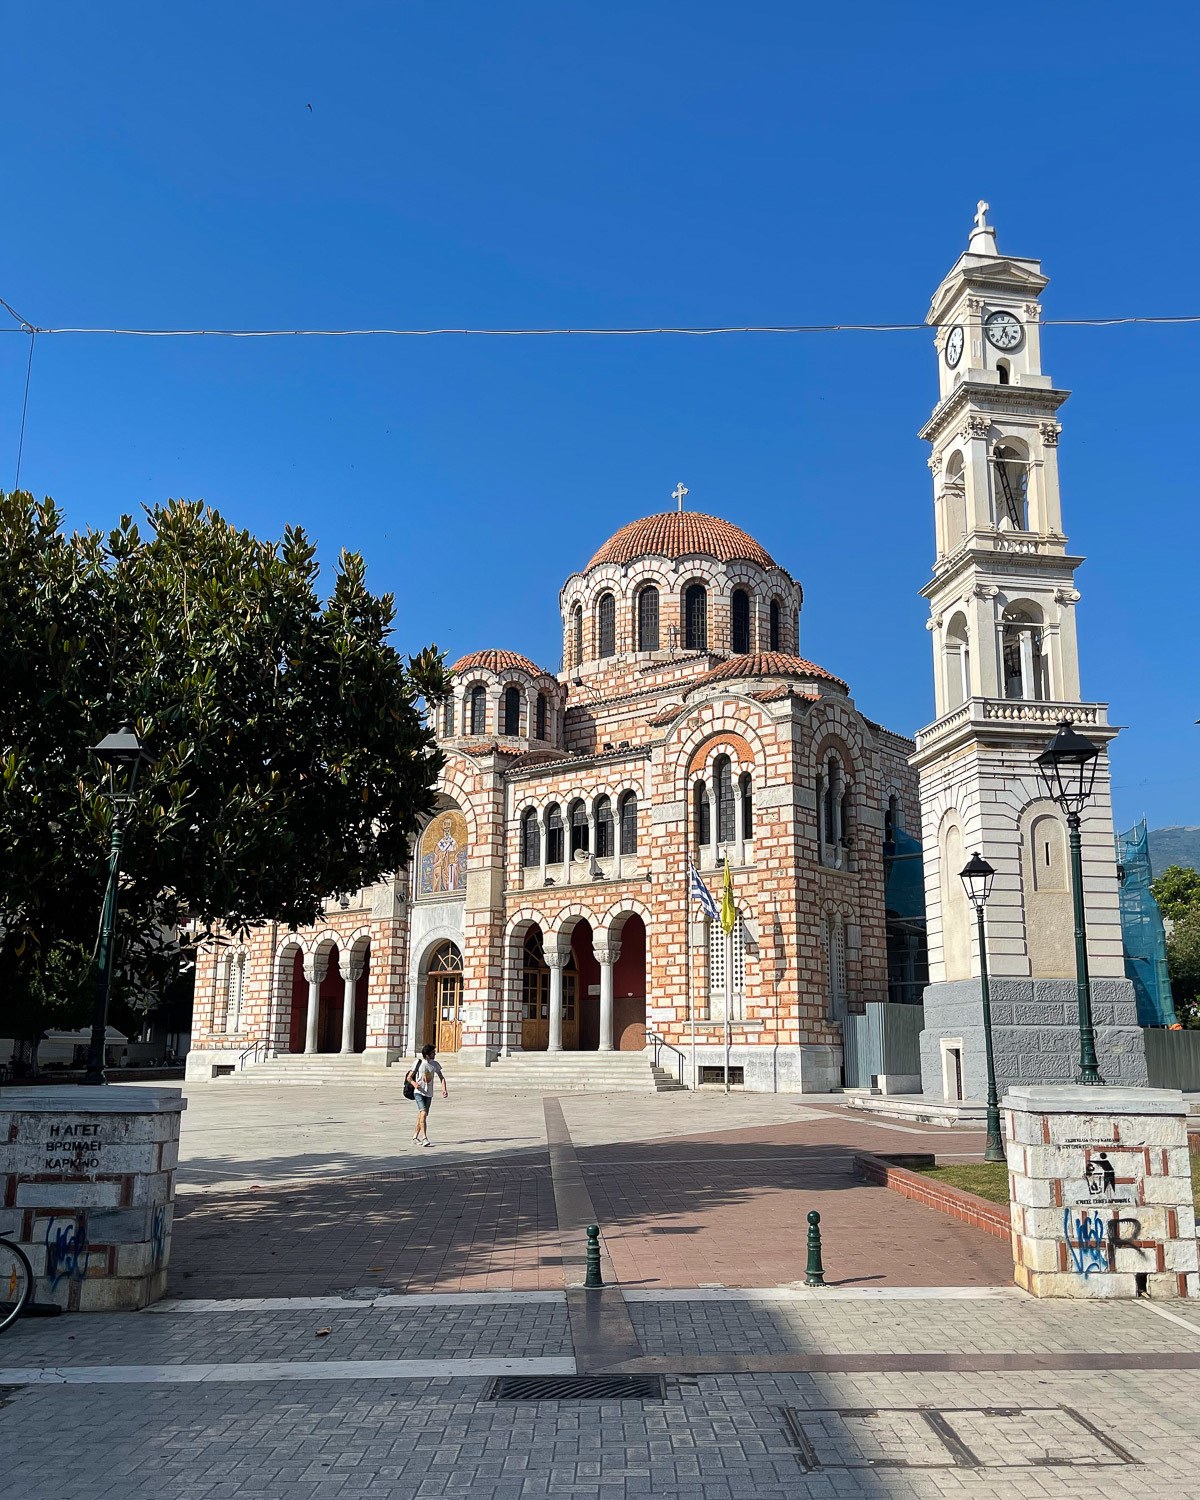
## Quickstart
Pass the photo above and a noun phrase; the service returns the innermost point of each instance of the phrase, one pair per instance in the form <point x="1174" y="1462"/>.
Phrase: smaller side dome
<point x="768" y="664"/>
<point x="493" y="660"/>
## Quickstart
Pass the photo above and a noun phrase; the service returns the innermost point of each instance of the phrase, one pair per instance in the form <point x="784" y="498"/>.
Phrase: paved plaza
<point x="342" y="1307"/>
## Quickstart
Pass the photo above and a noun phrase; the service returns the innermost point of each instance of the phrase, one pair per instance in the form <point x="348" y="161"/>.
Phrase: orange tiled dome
<point x="498" y="661"/>
<point x="676" y="534"/>
<point x="768" y="664"/>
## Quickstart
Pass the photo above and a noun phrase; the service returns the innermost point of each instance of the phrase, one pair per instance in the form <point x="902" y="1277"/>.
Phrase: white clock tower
<point x="1006" y="672"/>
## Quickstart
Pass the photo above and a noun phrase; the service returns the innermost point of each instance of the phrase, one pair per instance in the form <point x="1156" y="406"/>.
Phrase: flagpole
<point x="728" y="1000"/>
<point x="687" y="948"/>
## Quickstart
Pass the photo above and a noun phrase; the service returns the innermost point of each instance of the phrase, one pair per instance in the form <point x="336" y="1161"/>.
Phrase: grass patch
<point x="986" y="1179"/>
<point x="989" y="1179"/>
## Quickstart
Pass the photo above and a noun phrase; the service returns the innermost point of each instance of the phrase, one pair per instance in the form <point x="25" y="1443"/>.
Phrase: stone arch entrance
<point x="444" y="997"/>
<point x="626" y="944"/>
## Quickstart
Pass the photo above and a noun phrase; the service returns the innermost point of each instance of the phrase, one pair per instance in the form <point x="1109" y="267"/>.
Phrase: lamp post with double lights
<point x="1068" y="767"/>
<point x="121" y="755"/>
<point x="977" y="876"/>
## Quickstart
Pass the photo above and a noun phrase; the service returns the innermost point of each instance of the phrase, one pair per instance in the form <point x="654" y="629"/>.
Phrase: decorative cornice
<point x="1001" y="400"/>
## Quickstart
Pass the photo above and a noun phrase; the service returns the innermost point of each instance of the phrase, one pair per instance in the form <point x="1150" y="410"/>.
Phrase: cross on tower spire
<point x="678" y="493"/>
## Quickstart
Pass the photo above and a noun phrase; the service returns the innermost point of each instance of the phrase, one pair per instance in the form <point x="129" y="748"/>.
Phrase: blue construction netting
<point x="1142" y="934"/>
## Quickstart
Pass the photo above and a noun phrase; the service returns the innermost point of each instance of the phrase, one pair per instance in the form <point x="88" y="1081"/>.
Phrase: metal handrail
<point x="661" y="1044"/>
<point x="251" y="1052"/>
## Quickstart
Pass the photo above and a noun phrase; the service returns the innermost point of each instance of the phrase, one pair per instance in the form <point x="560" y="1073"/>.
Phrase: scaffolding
<point x="1142" y="935"/>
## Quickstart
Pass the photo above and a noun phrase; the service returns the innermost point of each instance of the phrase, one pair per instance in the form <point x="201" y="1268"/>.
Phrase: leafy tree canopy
<point x="1177" y="891"/>
<point x="288" y="758"/>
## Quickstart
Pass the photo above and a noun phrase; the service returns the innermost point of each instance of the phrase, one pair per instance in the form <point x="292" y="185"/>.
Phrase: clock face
<point x="1002" y="329"/>
<point x="954" y="346"/>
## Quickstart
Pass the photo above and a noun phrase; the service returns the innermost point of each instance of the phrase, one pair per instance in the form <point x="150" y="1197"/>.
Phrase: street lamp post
<point x="977" y="877"/>
<point x="121" y="755"/>
<point x="1068" y="767"/>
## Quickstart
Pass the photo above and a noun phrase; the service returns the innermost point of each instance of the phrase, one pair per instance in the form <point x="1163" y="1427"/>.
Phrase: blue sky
<point x="550" y="164"/>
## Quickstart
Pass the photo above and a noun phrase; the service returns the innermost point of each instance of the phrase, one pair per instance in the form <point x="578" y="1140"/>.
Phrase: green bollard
<point x="592" y="1276"/>
<point x="815" y="1274"/>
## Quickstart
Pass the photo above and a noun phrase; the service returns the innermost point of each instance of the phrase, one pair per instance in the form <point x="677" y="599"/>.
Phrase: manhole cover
<point x="972" y="1437"/>
<point x="576" y="1388"/>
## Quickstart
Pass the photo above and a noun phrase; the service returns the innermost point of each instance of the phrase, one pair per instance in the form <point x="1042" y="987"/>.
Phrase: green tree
<point x="288" y="756"/>
<point x="1177" y="891"/>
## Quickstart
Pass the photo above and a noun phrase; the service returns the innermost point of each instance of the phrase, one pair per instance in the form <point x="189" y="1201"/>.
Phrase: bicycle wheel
<point x="16" y="1282"/>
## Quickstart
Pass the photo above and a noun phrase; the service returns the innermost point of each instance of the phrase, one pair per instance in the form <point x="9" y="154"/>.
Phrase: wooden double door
<point x="535" y="1000"/>
<point x="444" y="998"/>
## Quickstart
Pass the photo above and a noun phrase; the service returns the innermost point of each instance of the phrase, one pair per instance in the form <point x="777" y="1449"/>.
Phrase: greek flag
<point x="698" y="891"/>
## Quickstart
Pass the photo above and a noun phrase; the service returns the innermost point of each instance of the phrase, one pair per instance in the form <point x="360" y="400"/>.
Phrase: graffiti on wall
<point x="66" y="1250"/>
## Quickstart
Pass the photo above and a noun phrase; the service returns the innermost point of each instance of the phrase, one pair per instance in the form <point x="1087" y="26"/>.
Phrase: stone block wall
<point x="1101" y="1190"/>
<point x="89" y="1189"/>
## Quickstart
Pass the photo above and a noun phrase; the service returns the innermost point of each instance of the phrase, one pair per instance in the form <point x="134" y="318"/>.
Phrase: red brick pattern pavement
<point x="687" y="1211"/>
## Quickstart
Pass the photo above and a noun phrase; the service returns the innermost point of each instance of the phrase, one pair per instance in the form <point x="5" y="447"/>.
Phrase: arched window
<point x="541" y="716"/>
<point x="832" y="802"/>
<point x="835" y="955"/>
<point x="956" y="661"/>
<point x="1011" y="489"/>
<point x="718" y="945"/>
<point x="893" y="819"/>
<point x="1002" y="371"/>
<point x="531" y="843"/>
<point x="796" y="631"/>
<point x="954" y="506"/>
<point x="512" y="710"/>
<point x="606" y="619"/>
<point x="702" y="815"/>
<point x="579" y="828"/>
<point x="448" y="715"/>
<point x="554" y="835"/>
<point x="647" y="619"/>
<point x="739" y="633"/>
<point x="695" y="618"/>
<point x="776" y="625"/>
<point x="629" y="823"/>
<point x="604" y="828"/>
<point x="478" y="703"/>
<point x="577" y="635"/>
<point x="1025" y="674"/>
<point x="723" y="783"/>
<point x="746" y="789"/>
<point x="234" y="982"/>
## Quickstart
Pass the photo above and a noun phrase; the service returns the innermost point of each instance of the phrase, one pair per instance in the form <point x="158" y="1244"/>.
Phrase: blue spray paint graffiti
<point x="1086" y="1242"/>
<point x="158" y="1235"/>
<point x="66" y="1250"/>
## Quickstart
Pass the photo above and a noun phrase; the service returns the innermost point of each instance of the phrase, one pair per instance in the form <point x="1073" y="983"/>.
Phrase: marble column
<point x="351" y="974"/>
<point x="315" y="966"/>
<point x="555" y="961"/>
<point x="606" y="956"/>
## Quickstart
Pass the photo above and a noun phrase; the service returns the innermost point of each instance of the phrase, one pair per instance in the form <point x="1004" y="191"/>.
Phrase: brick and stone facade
<point x="546" y="904"/>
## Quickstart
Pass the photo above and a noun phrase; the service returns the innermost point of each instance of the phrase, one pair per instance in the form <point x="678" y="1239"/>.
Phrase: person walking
<point x="424" y="1071"/>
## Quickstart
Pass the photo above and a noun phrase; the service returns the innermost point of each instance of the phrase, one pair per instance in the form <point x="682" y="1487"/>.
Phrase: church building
<point x="544" y="927"/>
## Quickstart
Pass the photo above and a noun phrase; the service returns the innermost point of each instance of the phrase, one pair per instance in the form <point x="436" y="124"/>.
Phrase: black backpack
<point x="409" y="1091"/>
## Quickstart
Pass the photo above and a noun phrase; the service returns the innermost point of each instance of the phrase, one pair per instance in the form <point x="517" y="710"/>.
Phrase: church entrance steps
<point x="316" y="1067"/>
<point x="567" y="1072"/>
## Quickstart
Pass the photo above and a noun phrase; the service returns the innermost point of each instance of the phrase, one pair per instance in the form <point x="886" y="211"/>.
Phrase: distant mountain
<point x="1174" y="846"/>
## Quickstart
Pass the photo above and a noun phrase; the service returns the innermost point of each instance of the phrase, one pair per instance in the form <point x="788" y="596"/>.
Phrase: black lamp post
<point x="977" y="876"/>
<point x="121" y="755"/>
<point x="1068" y="767"/>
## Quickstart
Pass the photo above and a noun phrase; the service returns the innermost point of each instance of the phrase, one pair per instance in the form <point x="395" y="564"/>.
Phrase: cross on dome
<point x="678" y="493"/>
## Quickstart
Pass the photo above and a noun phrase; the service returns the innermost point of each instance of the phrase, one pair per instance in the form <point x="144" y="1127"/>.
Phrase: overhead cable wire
<point x="693" y="332"/>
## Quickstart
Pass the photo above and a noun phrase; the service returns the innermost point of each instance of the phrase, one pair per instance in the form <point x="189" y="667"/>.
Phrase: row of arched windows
<point x="615" y="830"/>
<point x="646" y="614"/>
<point x="723" y="801"/>
<point x="475" y="712"/>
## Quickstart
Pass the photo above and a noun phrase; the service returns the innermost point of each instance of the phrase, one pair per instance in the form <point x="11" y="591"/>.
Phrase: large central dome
<point x="677" y="534"/>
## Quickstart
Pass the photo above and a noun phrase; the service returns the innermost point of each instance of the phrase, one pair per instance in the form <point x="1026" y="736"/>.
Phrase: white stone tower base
<point x="1035" y="1035"/>
<point x="1101" y="1190"/>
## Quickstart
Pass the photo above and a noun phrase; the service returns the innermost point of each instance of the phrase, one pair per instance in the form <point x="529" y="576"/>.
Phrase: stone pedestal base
<point x="89" y="1191"/>
<point x="1035" y="1032"/>
<point x="1101" y="1189"/>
